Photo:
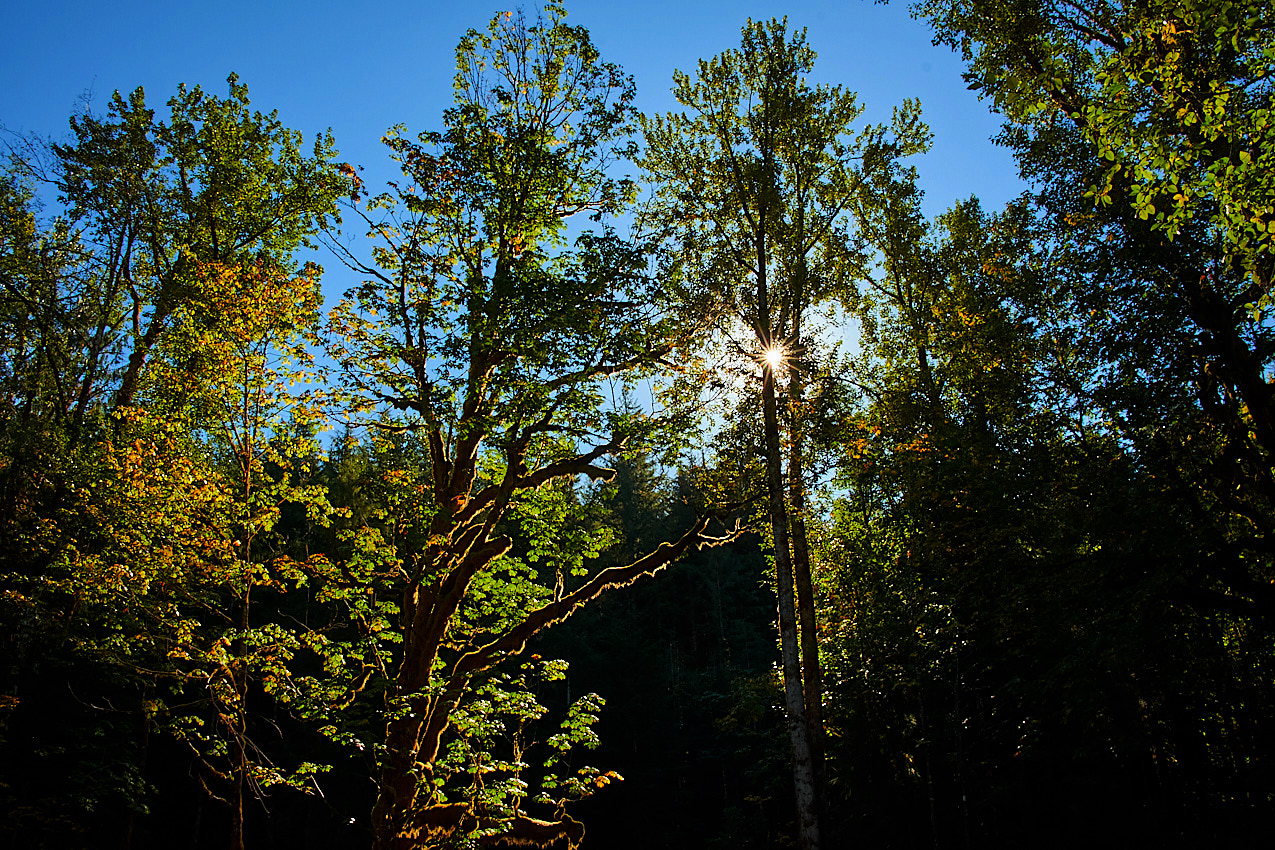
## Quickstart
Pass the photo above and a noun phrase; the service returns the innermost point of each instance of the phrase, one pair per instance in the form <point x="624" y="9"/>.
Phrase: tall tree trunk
<point x="807" y="621"/>
<point x="794" y="697"/>
<point x="398" y="787"/>
<point x="238" y="725"/>
<point x="236" y="808"/>
<point x="238" y="721"/>
<point x="412" y="747"/>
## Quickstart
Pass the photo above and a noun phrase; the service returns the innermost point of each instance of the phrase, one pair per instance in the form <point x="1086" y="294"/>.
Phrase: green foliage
<point x="180" y="323"/>
<point x="988" y="600"/>
<point x="486" y="336"/>
<point x="46" y="288"/>
<point x="1174" y="98"/>
<point x="1043" y="565"/>
<point x="212" y="184"/>
<point x="1024" y="529"/>
<point x="757" y="177"/>
<point x="214" y="180"/>
<point x="1160" y="109"/>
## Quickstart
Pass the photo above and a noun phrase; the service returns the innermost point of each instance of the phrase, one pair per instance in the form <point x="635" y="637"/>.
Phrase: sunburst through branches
<point x="774" y="356"/>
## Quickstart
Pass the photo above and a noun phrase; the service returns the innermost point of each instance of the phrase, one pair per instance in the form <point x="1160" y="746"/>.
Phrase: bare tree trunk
<point x="807" y="621"/>
<point x="794" y="697"/>
<point x="398" y="788"/>
<point x="238" y="726"/>
<point x="239" y="679"/>
<point x="236" y="810"/>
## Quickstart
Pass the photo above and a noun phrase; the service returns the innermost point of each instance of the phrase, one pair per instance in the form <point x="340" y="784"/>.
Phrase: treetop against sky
<point x="323" y="64"/>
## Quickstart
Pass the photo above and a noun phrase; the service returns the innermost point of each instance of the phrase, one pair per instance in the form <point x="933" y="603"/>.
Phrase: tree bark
<point x="807" y="621"/>
<point x="403" y="817"/>
<point x="807" y="618"/>
<point x="804" y="784"/>
<point x="794" y="696"/>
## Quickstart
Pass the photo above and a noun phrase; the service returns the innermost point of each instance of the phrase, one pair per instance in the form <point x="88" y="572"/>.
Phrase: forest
<point x="658" y="481"/>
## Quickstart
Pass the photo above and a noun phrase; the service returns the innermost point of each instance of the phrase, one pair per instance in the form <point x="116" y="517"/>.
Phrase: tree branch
<point x="515" y="640"/>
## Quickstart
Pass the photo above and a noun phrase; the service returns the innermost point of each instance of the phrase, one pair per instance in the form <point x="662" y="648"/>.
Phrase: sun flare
<point x="774" y="356"/>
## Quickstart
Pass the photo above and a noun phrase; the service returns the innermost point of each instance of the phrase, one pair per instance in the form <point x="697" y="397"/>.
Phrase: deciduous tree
<point x="481" y="330"/>
<point x="756" y="183"/>
<point x="1147" y="129"/>
<point x="143" y="323"/>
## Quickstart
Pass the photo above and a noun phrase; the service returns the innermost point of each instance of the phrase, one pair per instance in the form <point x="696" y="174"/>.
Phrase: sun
<point x="774" y="356"/>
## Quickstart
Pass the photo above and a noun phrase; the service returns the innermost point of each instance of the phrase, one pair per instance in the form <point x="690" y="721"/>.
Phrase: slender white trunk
<point x="794" y="697"/>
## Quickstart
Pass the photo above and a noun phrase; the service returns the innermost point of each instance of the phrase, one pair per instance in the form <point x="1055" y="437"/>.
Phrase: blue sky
<point x="360" y="70"/>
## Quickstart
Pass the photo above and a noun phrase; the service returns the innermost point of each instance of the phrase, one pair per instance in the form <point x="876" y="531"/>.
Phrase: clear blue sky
<point x="359" y="69"/>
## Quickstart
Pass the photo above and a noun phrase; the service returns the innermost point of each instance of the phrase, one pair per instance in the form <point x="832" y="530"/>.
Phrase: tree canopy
<point x="674" y="476"/>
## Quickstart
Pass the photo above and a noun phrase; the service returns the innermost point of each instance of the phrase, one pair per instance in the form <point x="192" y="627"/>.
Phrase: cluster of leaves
<point x="1176" y="97"/>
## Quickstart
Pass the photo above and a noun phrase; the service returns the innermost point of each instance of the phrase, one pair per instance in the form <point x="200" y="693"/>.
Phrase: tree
<point x="88" y="297"/>
<point x="1009" y="573"/>
<point x="226" y="371"/>
<point x="1162" y="113"/>
<point x="47" y="283"/>
<point x="1038" y="425"/>
<point x="756" y="183"/>
<point x="214" y="183"/>
<point x="119" y="538"/>
<point x="480" y="331"/>
<point x="1175" y="98"/>
<point x="1138" y="125"/>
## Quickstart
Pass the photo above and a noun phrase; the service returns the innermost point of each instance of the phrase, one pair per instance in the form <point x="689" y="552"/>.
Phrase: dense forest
<point x="659" y="481"/>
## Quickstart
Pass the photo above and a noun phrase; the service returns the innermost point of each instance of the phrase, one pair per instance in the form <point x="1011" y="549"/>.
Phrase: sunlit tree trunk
<point x="804" y="783"/>
<point x="807" y="621"/>
<point x="794" y="696"/>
